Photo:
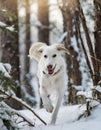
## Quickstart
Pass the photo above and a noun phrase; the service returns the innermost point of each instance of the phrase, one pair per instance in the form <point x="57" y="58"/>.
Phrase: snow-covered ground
<point x="67" y="119"/>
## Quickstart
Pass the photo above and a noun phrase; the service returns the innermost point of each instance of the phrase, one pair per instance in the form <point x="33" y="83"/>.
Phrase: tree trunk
<point x="97" y="35"/>
<point x="43" y="16"/>
<point x="24" y="45"/>
<point x="74" y="73"/>
<point x="74" y="70"/>
<point x="28" y="42"/>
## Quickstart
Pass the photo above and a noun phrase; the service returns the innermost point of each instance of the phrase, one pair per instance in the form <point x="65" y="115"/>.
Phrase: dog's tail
<point x="34" y="50"/>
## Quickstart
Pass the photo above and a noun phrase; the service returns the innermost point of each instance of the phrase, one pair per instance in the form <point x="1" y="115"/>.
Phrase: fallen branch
<point x="15" y="112"/>
<point x="23" y="104"/>
<point x="24" y="118"/>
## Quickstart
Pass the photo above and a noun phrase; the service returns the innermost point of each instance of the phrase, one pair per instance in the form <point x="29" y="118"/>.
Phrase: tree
<point x="73" y="19"/>
<point x="24" y="45"/>
<point x="97" y="35"/>
<point x="28" y="42"/>
<point x="7" y="113"/>
<point x="43" y="17"/>
<point x="9" y="40"/>
<point x="70" y="18"/>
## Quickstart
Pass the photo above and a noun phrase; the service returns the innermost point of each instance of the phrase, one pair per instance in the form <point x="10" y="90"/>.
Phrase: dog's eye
<point x="45" y="56"/>
<point x="54" y="55"/>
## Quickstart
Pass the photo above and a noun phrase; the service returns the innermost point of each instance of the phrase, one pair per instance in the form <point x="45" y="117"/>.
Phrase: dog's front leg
<point x="45" y="99"/>
<point x="56" y="109"/>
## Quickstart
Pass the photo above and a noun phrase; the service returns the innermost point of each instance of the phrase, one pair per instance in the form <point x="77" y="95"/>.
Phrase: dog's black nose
<point x="49" y="66"/>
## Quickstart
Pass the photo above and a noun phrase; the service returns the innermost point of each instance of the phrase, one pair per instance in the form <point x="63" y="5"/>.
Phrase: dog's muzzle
<point x="51" y="72"/>
<point x="51" y="69"/>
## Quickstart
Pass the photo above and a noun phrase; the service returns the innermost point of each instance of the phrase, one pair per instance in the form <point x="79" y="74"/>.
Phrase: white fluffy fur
<point x="54" y="83"/>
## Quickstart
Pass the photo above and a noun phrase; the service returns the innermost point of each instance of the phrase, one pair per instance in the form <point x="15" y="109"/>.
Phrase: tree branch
<point x="23" y="104"/>
<point x="24" y="118"/>
<point x="18" y="113"/>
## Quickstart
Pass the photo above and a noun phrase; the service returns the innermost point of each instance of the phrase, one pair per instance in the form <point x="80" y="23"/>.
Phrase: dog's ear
<point x="36" y="50"/>
<point x="40" y="50"/>
<point x="61" y="47"/>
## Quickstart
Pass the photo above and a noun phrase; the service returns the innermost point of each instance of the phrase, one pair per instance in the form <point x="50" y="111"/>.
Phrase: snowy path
<point x="67" y="119"/>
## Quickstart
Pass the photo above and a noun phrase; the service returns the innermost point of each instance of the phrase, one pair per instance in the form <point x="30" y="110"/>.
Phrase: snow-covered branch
<point x="23" y="104"/>
<point x="8" y="28"/>
<point x="15" y="112"/>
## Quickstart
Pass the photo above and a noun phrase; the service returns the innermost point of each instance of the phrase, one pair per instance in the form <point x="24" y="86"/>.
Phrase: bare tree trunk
<point x="68" y="12"/>
<point x="89" y="43"/>
<point x="43" y="16"/>
<point x="69" y="20"/>
<point x="74" y="71"/>
<point x="24" y="44"/>
<point x="97" y="34"/>
<point x="82" y="43"/>
<point x="71" y="35"/>
<point x="28" y="42"/>
<point x="9" y="41"/>
<point x="94" y="54"/>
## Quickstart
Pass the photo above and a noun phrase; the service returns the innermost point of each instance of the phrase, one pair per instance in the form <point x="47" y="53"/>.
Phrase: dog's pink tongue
<point x="50" y="72"/>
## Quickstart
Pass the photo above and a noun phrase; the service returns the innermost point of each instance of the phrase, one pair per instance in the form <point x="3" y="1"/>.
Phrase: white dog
<point x="51" y="73"/>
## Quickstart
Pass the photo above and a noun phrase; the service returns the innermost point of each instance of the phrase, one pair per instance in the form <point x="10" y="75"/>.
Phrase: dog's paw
<point x="49" y="108"/>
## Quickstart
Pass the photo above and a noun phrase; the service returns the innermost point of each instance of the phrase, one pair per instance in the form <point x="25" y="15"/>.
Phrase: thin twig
<point x="95" y="59"/>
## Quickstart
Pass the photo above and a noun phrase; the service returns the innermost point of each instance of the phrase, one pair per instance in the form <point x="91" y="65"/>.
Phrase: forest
<point x="74" y="23"/>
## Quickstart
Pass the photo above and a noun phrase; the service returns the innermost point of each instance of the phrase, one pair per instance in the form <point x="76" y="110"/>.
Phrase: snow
<point x="63" y="37"/>
<point x="2" y="125"/>
<point x="56" y="22"/>
<point x="5" y="68"/>
<point x="98" y="88"/>
<point x="87" y="94"/>
<point x="68" y="119"/>
<point x="10" y="28"/>
<point x="88" y="9"/>
<point x="21" y="9"/>
<point x="74" y="44"/>
<point x="2" y="24"/>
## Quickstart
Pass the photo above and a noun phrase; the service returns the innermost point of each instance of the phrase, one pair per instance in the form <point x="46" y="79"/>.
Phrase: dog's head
<point x="50" y="56"/>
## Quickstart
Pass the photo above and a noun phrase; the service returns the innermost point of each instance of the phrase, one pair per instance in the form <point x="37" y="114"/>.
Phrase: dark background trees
<point x="9" y="41"/>
<point x="73" y="19"/>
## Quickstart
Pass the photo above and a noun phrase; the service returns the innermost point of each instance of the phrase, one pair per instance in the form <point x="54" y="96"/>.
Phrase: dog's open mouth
<point x="51" y="71"/>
